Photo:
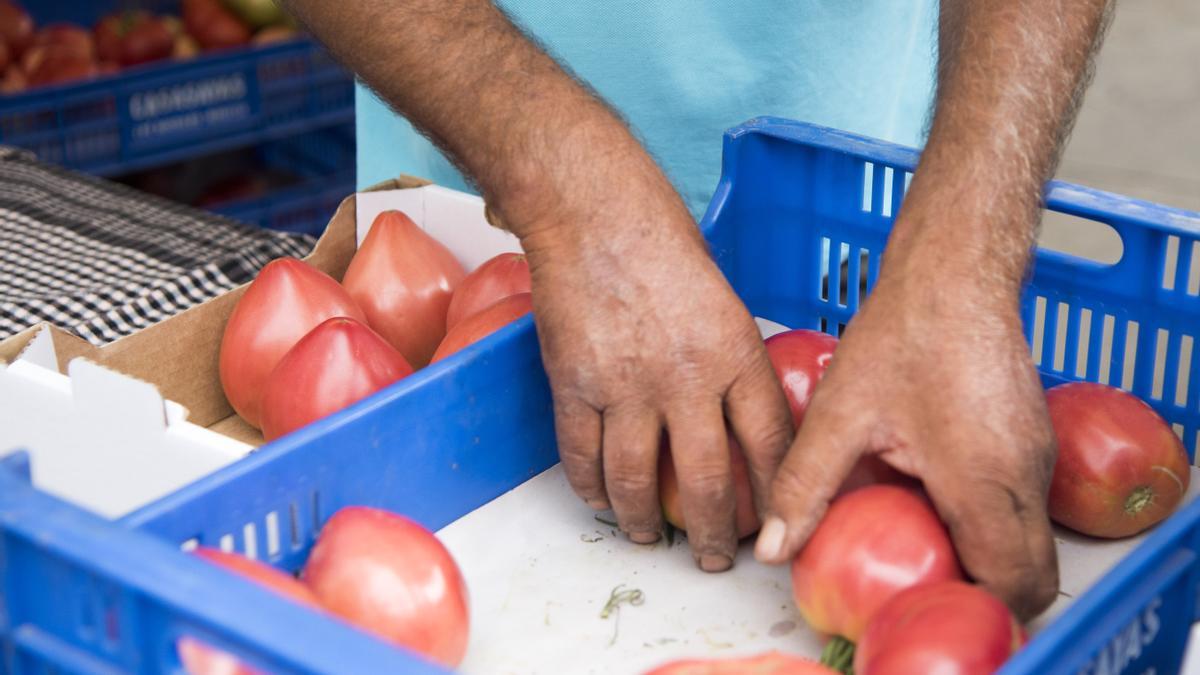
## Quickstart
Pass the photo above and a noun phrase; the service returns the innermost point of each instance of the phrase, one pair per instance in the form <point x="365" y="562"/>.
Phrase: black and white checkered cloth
<point x="102" y="260"/>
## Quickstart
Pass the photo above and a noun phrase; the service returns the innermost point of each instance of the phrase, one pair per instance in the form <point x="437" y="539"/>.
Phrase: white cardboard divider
<point x="453" y="218"/>
<point x="103" y="440"/>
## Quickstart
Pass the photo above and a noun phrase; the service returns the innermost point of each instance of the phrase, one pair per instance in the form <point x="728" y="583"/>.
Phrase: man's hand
<point x="933" y="375"/>
<point x="936" y="380"/>
<point x="641" y="334"/>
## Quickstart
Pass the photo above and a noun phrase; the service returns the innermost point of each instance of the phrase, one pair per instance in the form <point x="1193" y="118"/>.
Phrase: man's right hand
<point x="641" y="335"/>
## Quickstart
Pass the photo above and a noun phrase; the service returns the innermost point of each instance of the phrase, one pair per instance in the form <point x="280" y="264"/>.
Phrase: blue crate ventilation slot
<point x="793" y="202"/>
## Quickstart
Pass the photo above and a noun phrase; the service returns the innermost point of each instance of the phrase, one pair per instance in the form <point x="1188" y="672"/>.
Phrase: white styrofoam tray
<point x="540" y="568"/>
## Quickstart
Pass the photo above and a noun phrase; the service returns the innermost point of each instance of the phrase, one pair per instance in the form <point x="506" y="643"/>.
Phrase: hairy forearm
<point x="1010" y="77"/>
<point x="532" y="138"/>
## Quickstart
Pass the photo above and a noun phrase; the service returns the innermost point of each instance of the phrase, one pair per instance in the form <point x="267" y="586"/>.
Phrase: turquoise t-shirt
<point x="684" y="71"/>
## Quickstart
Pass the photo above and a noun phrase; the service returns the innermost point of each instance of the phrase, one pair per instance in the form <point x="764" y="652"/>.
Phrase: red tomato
<point x="403" y="279"/>
<point x="341" y="361"/>
<point x="133" y="37"/>
<point x="770" y="663"/>
<point x="110" y="30"/>
<point x="212" y="25"/>
<point x="57" y="69"/>
<point x="949" y="627"/>
<point x="478" y="326"/>
<point x="392" y="577"/>
<point x="14" y="80"/>
<point x="800" y="358"/>
<point x="1120" y="468"/>
<point x="64" y="39"/>
<point x="506" y="274"/>
<point x="286" y="301"/>
<point x="276" y="580"/>
<point x="668" y="490"/>
<point x="871" y="544"/>
<point x="145" y="41"/>
<point x="200" y="659"/>
<point x="16" y="28"/>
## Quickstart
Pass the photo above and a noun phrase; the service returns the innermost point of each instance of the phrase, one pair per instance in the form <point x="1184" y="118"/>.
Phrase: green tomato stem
<point x="839" y="655"/>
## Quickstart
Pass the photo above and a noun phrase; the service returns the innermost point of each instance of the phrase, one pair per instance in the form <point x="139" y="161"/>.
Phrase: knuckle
<point x="575" y="454"/>
<point x="625" y="481"/>
<point x="789" y="483"/>
<point x="711" y="484"/>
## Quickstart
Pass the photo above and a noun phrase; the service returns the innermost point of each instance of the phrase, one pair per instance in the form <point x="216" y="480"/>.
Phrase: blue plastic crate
<point x="325" y="162"/>
<point x="457" y="434"/>
<point x="165" y="111"/>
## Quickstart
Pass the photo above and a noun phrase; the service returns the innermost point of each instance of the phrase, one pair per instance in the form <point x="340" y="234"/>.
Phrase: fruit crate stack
<point x="117" y="88"/>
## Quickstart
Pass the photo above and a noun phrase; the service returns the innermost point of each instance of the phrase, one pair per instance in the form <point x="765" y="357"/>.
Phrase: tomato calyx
<point x="838" y="654"/>
<point x="1141" y="497"/>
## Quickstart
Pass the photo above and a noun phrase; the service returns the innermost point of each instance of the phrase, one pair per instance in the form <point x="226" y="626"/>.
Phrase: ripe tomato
<point x="946" y="627"/>
<point x="286" y="301"/>
<point x="871" y="544"/>
<point x="276" y="580"/>
<point x="506" y="274"/>
<point x="403" y="279"/>
<point x="61" y="39"/>
<point x="111" y="29"/>
<point x="800" y="358"/>
<point x="1120" y="468"/>
<point x="668" y="490"/>
<point x="212" y="25"/>
<point x="770" y="663"/>
<point x="145" y="41"/>
<point x="200" y="659"/>
<point x="16" y="27"/>
<point x="14" y="80"/>
<point x="392" y="577"/>
<point x="57" y="69"/>
<point x="341" y="361"/>
<point x="476" y="327"/>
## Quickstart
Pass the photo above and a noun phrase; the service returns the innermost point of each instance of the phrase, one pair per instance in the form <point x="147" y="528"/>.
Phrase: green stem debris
<point x="610" y="523"/>
<point x="839" y="655"/>
<point x="616" y="598"/>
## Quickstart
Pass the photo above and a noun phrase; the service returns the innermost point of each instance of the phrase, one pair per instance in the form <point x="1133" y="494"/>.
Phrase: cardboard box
<point x="114" y="427"/>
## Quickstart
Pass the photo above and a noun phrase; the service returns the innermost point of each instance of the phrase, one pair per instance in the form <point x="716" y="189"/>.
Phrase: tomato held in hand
<point x="403" y="279"/>
<point x="1120" y="468"/>
<point x="200" y="659"/>
<point x="287" y="300"/>
<point x="770" y="663"/>
<point x="871" y="544"/>
<point x="800" y="358"/>
<point x="475" y="328"/>
<point x="949" y="627"/>
<point x="392" y="577"/>
<point x="341" y="361"/>
<point x="668" y="490"/>
<point x="504" y="275"/>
